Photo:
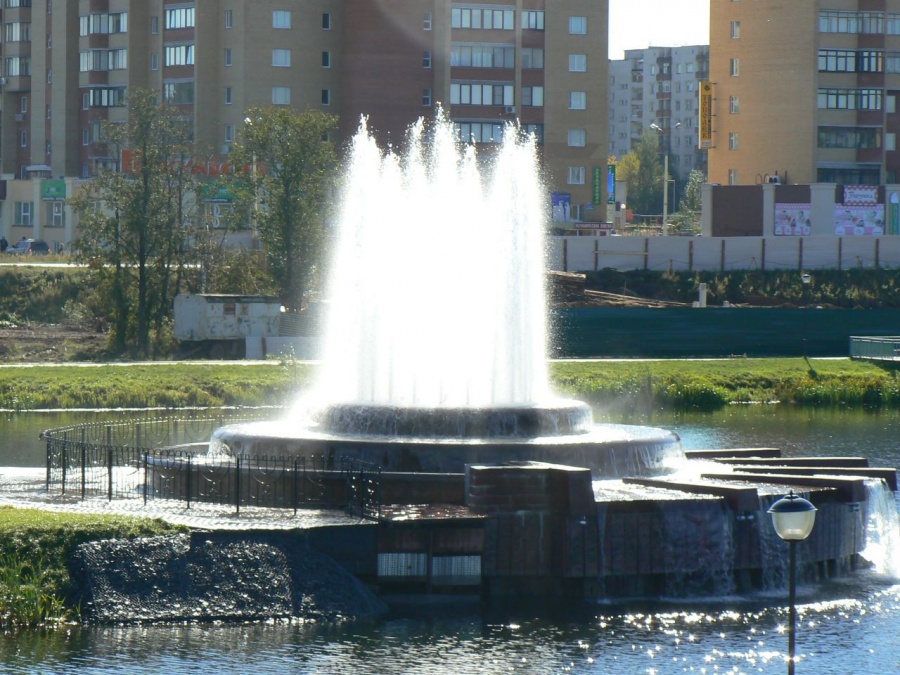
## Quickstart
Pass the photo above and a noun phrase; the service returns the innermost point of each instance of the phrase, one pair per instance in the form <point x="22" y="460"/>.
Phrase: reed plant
<point x="36" y="549"/>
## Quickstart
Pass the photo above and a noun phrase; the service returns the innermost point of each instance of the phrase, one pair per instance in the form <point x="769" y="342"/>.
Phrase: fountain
<point x="436" y="346"/>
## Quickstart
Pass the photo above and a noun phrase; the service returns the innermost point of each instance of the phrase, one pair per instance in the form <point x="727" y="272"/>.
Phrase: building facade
<point x="68" y="66"/>
<point x="804" y="91"/>
<point x="659" y="86"/>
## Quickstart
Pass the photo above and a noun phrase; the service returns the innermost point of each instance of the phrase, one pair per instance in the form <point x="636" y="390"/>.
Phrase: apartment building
<point x="804" y="91"/>
<point x="68" y="66"/>
<point x="659" y="86"/>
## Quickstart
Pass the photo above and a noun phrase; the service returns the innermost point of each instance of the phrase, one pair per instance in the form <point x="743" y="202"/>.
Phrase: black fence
<point x="169" y="459"/>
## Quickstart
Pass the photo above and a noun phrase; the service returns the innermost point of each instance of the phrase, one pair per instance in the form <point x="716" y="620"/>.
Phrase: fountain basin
<point x="608" y="450"/>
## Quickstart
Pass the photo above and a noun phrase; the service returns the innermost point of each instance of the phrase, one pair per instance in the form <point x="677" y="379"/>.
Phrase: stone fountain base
<point x="608" y="450"/>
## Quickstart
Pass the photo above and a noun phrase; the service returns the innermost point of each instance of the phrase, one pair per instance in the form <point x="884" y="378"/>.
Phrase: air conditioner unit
<point x="20" y="117"/>
<point x="510" y="110"/>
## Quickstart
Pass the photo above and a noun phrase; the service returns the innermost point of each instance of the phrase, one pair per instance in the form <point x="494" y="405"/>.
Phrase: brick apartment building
<point x="68" y="66"/>
<point x="805" y="91"/>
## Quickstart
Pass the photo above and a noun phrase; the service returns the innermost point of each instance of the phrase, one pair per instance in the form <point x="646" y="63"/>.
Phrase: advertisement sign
<point x="792" y="220"/>
<point x="561" y="203"/>
<point x="860" y="194"/>
<point x="863" y="220"/>
<point x="216" y="194"/>
<point x="611" y="184"/>
<point x="53" y="190"/>
<point x="597" y="185"/>
<point x="705" y="108"/>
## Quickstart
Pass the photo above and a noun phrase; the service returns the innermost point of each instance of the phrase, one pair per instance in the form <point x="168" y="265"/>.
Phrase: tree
<point x="291" y="163"/>
<point x="135" y="219"/>
<point x="687" y="219"/>
<point x="642" y="170"/>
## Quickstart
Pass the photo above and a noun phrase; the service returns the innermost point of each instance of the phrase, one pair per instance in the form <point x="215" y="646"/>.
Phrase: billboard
<point x="706" y="115"/>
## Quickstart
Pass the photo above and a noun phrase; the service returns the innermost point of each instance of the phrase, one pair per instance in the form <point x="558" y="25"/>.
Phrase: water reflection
<point x="836" y="636"/>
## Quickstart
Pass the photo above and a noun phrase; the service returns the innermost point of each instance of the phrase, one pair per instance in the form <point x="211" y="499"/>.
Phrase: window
<point x="856" y="138"/>
<point x="18" y="66"/>
<point x="732" y="177"/>
<point x="735" y="67"/>
<point x="85" y="137"/>
<point x="576" y="175"/>
<point x="281" y="18"/>
<point x="154" y="61"/>
<point x="426" y="97"/>
<point x="482" y="56"/>
<point x="890" y="142"/>
<point x="17" y="31"/>
<point x="154" y="25"/>
<point x="23" y="214"/>
<point x="734" y="105"/>
<point x="106" y="97"/>
<point x="281" y="95"/>
<point x="326" y="21"/>
<point x="735" y="29"/>
<point x="228" y="61"/>
<point x="180" y="17"/>
<point x="577" y="100"/>
<point x="477" y="93"/>
<point x="229" y="18"/>
<point x="103" y="59"/>
<point x="326" y="97"/>
<point x="486" y="19"/>
<point x="228" y="136"/>
<point x="577" y="138"/>
<point x="228" y="99"/>
<point x="23" y="139"/>
<point x="837" y="61"/>
<point x="281" y="58"/>
<point x="179" y="55"/>
<point x="326" y="59"/>
<point x="426" y="59"/>
<point x="533" y="96"/>
<point x="850" y="99"/>
<point x="179" y="93"/>
<point x="480" y="132"/>
<point x="426" y="21"/>
<point x="733" y="140"/>
<point x="577" y="25"/>
<point x="532" y="58"/>
<point x="870" y="61"/>
<point x="103" y="23"/>
<point x="577" y="63"/>
<point x="532" y="20"/>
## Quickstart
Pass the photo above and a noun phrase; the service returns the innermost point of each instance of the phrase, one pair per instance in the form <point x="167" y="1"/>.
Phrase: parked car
<point x="29" y="246"/>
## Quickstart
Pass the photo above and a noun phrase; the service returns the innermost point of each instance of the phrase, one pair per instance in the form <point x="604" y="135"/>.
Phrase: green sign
<point x="216" y="194"/>
<point x="53" y="190"/>
<point x="598" y="185"/>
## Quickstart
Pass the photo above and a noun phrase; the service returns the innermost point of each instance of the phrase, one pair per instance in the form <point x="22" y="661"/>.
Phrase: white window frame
<point x="577" y="100"/>
<point x="281" y="58"/>
<point x="577" y="25"/>
<point x="577" y="138"/>
<point x="282" y="19"/>
<point x="281" y="95"/>
<point x="576" y="175"/>
<point x="577" y="63"/>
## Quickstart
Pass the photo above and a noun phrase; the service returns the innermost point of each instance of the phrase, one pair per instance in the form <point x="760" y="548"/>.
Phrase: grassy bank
<point x="675" y="384"/>
<point x="35" y="549"/>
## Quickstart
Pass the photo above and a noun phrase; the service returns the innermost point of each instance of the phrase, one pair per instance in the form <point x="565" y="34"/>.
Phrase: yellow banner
<point x="706" y="97"/>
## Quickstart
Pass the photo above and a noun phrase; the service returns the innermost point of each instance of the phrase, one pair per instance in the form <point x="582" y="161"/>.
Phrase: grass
<point x="673" y="384"/>
<point x="36" y="588"/>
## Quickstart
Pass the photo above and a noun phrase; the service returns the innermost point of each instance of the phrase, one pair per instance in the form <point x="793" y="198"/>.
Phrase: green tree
<point x="687" y="219"/>
<point x="135" y="220"/>
<point x="642" y="170"/>
<point x="292" y="167"/>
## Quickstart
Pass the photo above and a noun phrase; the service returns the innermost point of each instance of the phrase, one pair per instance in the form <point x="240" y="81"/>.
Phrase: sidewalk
<point x="25" y="488"/>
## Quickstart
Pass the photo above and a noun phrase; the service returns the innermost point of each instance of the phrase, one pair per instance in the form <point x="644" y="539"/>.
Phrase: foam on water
<point x="882" y="529"/>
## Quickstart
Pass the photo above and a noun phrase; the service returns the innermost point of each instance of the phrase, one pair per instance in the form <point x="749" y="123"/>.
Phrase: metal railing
<point x="167" y="459"/>
<point x="883" y="348"/>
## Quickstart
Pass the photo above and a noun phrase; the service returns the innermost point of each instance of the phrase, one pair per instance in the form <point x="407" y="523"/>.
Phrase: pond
<point x="848" y="626"/>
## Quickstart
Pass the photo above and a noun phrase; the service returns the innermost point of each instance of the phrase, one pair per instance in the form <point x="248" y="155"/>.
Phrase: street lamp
<point x="665" y="223"/>
<point x="793" y="518"/>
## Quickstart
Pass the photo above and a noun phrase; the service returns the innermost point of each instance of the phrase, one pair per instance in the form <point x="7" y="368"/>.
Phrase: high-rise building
<point x="804" y="91"/>
<point x="68" y="66"/>
<point x="659" y="86"/>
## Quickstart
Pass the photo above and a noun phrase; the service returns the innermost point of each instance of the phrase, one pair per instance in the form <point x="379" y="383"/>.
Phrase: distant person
<point x="3" y="244"/>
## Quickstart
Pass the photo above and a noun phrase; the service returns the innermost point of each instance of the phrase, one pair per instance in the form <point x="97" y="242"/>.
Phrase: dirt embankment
<point x="49" y="343"/>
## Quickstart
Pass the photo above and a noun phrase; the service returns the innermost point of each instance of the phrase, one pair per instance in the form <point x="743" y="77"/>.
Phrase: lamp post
<point x="665" y="223"/>
<point x="793" y="518"/>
